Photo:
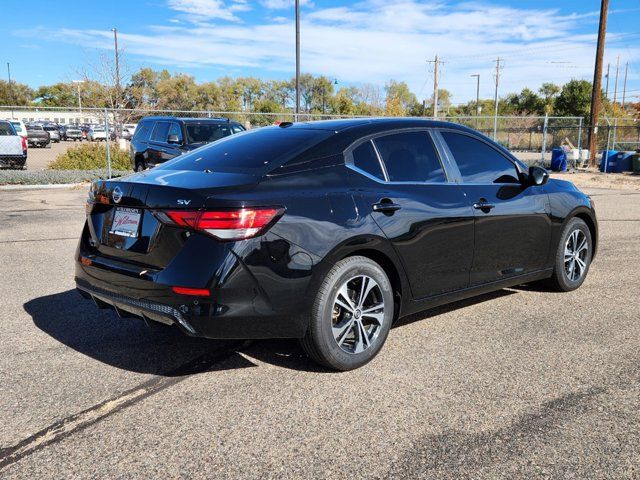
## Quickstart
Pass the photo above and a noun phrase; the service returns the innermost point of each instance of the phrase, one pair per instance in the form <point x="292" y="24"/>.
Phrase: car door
<point x="425" y="216"/>
<point x="512" y="221"/>
<point x="158" y="143"/>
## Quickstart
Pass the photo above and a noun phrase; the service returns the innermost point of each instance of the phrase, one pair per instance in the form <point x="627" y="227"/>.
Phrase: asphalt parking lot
<point x="521" y="383"/>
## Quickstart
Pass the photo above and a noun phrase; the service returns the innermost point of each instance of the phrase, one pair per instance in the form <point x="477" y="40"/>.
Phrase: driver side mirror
<point x="537" y="176"/>
<point x="173" y="139"/>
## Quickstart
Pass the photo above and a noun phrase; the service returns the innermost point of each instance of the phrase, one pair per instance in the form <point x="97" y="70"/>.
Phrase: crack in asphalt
<point x="79" y="421"/>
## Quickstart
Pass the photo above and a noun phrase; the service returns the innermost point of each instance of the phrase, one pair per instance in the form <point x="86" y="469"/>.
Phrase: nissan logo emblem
<point x="116" y="194"/>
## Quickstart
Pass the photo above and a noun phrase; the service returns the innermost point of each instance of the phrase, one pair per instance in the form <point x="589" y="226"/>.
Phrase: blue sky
<point x="369" y="41"/>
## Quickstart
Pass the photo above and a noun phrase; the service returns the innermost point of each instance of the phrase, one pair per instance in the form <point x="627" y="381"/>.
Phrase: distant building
<point x="53" y="115"/>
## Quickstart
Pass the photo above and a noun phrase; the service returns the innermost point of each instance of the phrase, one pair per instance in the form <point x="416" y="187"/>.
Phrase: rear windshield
<point x="6" y="129"/>
<point x="255" y="151"/>
<point x="34" y="127"/>
<point x="17" y="126"/>
<point x="49" y="128"/>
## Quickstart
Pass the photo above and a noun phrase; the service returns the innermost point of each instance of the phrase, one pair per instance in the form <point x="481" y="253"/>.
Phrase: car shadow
<point x="129" y="344"/>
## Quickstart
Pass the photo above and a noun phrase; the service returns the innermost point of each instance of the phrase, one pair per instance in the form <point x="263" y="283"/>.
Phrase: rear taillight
<point x="24" y="144"/>
<point x="232" y="224"/>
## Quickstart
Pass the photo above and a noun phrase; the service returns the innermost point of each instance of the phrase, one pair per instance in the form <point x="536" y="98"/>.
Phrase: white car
<point x="128" y="130"/>
<point x="19" y="126"/>
<point x="97" y="134"/>
<point x="13" y="147"/>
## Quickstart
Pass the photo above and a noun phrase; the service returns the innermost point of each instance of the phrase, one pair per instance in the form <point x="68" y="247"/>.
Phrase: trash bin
<point x="608" y="161"/>
<point x="623" y="162"/>
<point x="635" y="163"/>
<point x="558" y="160"/>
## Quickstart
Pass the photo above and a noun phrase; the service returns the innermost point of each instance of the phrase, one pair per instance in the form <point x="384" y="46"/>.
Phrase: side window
<point x="365" y="158"/>
<point x="237" y="129"/>
<point x="160" y="132"/>
<point x="410" y="157"/>
<point x="142" y="132"/>
<point x="478" y="162"/>
<point x="175" y="130"/>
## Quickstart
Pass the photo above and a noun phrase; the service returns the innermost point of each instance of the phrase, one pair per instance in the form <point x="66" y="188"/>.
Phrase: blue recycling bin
<point x="609" y="161"/>
<point x="558" y="160"/>
<point x="624" y="162"/>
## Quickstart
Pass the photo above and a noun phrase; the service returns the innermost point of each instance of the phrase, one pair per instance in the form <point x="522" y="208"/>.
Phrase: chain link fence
<point x="529" y="138"/>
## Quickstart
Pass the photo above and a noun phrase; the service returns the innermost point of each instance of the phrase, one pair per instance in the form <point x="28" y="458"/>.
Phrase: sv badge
<point x="183" y="202"/>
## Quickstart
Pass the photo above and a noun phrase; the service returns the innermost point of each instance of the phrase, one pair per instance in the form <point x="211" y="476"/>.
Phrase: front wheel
<point x="573" y="257"/>
<point x="351" y="316"/>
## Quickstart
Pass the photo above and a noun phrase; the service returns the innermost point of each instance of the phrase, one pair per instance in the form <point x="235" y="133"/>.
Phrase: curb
<point x="50" y="186"/>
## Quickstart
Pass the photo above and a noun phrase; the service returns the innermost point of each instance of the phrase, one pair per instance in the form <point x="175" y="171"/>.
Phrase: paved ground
<point x="517" y="384"/>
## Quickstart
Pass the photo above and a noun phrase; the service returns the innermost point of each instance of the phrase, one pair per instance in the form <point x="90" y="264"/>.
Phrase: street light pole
<point x="477" y="75"/>
<point x="115" y="42"/>
<point x="12" y="100"/>
<point x="297" y="7"/>
<point x="78" y="82"/>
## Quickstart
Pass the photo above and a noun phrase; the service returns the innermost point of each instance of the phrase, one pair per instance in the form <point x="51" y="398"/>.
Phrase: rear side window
<point x="236" y="129"/>
<point x="160" y="132"/>
<point x="410" y="157"/>
<point x="142" y="132"/>
<point x="175" y="130"/>
<point x="17" y="127"/>
<point x="256" y="151"/>
<point x="479" y="162"/>
<point x="365" y="158"/>
<point x="6" y="129"/>
<point x="206" y="133"/>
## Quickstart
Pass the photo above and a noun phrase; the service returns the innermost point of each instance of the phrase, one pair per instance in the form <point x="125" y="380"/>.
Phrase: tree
<point x="57" y="95"/>
<point x="322" y="91"/>
<point x="399" y="100"/>
<point x="178" y="92"/>
<point x="574" y="99"/>
<point x="15" y="94"/>
<point x="343" y="103"/>
<point x="525" y="103"/>
<point x="549" y="92"/>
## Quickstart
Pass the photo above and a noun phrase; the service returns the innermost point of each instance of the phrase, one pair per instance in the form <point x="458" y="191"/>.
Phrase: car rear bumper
<point x="13" y="161"/>
<point x="244" y="303"/>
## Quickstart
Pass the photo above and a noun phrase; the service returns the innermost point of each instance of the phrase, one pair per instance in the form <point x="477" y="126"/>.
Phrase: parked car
<point x="128" y="130"/>
<point x="20" y="127"/>
<point x="37" y="136"/>
<point x="97" y="134"/>
<point x="71" y="133"/>
<point x="158" y="139"/>
<point x="13" y="147"/>
<point x="329" y="232"/>
<point x="54" y="131"/>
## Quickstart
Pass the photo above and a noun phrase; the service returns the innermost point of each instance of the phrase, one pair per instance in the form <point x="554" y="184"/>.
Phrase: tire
<point x="570" y="272"/>
<point x="341" y="335"/>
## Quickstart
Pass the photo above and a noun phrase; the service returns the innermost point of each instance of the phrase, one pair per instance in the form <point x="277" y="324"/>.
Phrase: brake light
<point x="233" y="224"/>
<point x="24" y="144"/>
<point x="196" y="292"/>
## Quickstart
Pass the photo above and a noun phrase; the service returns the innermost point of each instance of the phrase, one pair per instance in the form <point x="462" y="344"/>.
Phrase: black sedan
<point x="329" y="232"/>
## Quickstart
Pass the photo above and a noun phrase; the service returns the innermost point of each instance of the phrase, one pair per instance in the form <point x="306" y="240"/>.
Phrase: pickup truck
<point x="13" y="147"/>
<point x="37" y="136"/>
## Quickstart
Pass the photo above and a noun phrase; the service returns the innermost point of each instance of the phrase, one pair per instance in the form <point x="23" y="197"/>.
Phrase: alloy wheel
<point x="576" y="252"/>
<point x="358" y="314"/>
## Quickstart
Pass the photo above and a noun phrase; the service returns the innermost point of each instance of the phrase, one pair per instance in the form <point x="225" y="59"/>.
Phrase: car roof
<point x="191" y="119"/>
<point x="374" y="123"/>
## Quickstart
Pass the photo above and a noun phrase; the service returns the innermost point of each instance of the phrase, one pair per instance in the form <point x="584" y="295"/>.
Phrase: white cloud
<point x="377" y="40"/>
<point x="282" y="4"/>
<point x="201" y="10"/>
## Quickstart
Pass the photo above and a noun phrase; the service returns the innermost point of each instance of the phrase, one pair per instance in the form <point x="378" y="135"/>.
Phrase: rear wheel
<point x="351" y="316"/>
<point x="573" y="257"/>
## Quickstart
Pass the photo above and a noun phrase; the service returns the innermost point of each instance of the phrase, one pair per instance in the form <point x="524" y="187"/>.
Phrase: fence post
<point x="108" y="142"/>
<point x="544" y="138"/>
<point x="615" y="132"/>
<point x="579" y="159"/>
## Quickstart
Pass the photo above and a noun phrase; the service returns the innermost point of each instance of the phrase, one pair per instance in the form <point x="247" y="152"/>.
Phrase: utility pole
<point x="606" y="89"/>
<point x="297" y="7"/>
<point x="615" y="87"/>
<point x="495" y="99"/>
<point x="596" y="92"/>
<point x="115" y="42"/>
<point x="78" y="82"/>
<point x="624" y="88"/>
<point x="12" y="100"/>
<point x="477" y="75"/>
<point x="436" y="80"/>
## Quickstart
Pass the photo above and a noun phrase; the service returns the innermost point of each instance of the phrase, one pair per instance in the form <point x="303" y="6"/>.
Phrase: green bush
<point x="48" y="177"/>
<point x="91" y="156"/>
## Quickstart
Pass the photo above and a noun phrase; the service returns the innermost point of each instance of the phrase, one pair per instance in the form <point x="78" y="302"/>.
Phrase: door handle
<point x="483" y="205"/>
<point x="386" y="206"/>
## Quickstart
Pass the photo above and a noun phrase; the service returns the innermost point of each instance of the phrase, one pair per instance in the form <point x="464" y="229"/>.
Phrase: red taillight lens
<point x="196" y="292"/>
<point x="24" y="144"/>
<point x="233" y="224"/>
